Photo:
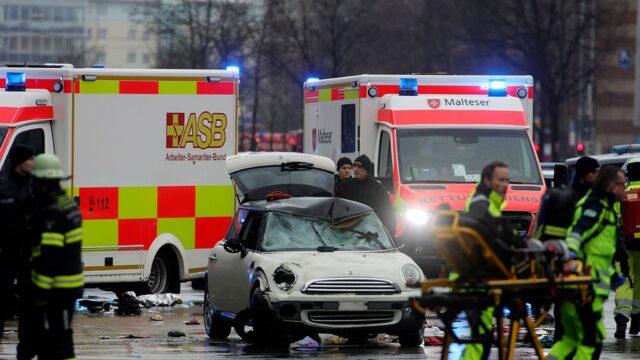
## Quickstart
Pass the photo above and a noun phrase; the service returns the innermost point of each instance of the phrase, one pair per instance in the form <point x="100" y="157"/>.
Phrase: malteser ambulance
<point x="429" y="137"/>
<point x="146" y="151"/>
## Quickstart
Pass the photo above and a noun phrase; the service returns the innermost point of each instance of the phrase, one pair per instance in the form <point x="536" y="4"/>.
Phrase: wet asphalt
<point x="108" y="336"/>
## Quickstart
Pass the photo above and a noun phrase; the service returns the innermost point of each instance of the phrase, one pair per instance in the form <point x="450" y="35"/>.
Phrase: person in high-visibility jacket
<point x="593" y="238"/>
<point x="486" y="203"/>
<point x="628" y="298"/>
<point x="56" y="267"/>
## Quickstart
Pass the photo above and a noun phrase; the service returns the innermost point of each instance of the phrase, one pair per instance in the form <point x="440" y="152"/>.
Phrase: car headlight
<point x="417" y="216"/>
<point x="411" y="275"/>
<point x="284" y="277"/>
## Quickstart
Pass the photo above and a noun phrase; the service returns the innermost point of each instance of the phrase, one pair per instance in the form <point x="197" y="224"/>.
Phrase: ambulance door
<point x="36" y="136"/>
<point x="383" y="158"/>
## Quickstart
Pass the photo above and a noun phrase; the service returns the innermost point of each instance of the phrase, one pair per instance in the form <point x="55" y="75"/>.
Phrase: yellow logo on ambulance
<point x="203" y="131"/>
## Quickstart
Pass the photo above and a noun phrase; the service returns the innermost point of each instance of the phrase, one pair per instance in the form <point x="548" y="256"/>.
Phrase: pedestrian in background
<point x="17" y="206"/>
<point x="56" y="267"/>
<point x="365" y="189"/>
<point x="586" y="172"/>
<point x="345" y="171"/>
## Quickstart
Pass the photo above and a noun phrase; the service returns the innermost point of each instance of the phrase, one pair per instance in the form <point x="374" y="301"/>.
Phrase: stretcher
<point x="489" y="274"/>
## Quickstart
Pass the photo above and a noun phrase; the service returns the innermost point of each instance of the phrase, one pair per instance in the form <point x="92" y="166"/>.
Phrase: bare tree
<point x="555" y="41"/>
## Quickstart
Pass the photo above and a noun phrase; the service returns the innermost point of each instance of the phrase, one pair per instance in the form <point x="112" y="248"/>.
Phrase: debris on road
<point x="336" y="340"/>
<point x="193" y="321"/>
<point x="128" y="304"/>
<point x="156" y="317"/>
<point x="176" y="333"/>
<point x="104" y="337"/>
<point x="131" y="336"/>
<point x="159" y="300"/>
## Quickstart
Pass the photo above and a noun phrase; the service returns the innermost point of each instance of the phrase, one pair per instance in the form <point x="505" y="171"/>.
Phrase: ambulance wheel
<point x="163" y="277"/>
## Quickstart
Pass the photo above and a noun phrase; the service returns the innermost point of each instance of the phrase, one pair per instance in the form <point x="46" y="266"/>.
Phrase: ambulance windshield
<point x="458" y="155"/>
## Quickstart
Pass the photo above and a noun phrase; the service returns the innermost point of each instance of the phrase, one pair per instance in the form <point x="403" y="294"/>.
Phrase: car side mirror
<point x="234" y="246"/>
<point x="388" y="183"/>
<point x="560" y="175"/>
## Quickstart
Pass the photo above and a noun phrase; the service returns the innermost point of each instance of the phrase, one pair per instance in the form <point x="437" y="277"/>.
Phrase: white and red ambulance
<point x="146" y="151"/>
<point x="429" y="137"/>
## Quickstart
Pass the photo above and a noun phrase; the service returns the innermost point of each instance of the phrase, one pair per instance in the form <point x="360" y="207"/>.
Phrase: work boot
<point x="634" y="329"/>
<point x="621" y="326"/>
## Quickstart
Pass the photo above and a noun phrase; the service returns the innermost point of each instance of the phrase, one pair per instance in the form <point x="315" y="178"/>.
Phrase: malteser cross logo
<point x="433" y="103"/>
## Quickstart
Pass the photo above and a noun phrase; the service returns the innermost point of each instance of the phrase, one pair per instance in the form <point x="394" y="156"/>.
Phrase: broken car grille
<point x="363" y="286"/>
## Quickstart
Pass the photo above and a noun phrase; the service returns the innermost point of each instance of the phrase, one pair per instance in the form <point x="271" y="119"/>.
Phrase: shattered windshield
<point x="287" y="232"/>
<point x="458" y="155"/>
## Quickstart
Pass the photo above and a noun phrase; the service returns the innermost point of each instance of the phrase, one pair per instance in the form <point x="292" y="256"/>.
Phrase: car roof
<point x="248" y="160"/>
<point x="332" y="209"/>
<point x="607" y="159"/>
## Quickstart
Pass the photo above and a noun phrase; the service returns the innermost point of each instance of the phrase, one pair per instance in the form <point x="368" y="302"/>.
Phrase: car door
<point x="230" y="275"/>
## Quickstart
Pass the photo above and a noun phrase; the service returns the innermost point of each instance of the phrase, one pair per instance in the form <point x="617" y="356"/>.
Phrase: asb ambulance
<point x="429" y="137"/>
<point x="146" y="150"/>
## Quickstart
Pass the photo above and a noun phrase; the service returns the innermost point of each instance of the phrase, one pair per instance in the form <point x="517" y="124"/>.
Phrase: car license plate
<point x="352" y="305"/>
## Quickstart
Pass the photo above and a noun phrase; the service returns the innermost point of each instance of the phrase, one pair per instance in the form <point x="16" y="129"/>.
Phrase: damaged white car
<point x="297" y="262"/>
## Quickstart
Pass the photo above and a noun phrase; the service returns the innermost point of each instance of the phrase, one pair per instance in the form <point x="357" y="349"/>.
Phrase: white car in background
<point x="297" y="261"/>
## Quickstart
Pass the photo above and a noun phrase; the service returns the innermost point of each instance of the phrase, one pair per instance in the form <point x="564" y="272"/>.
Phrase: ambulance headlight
<point x="16" y="81"/>
<point x="417" y="217"/>
<point x="497" y="87"/>
<point x="411" y="275"/>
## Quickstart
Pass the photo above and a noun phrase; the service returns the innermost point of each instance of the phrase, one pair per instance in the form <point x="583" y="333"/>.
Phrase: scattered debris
<point x="128" y="304"/>
<point x="176" y="333"/>
<point x="193" y="321"/>
<point x="131" y="336"/>
<point x="336" y="340"/>
<point x="547" y="341"/>
<point x="159" y="300"/>
<point x="104" y="337"/>
<point x="94" y="305"/>
<point x="156" y="317"/>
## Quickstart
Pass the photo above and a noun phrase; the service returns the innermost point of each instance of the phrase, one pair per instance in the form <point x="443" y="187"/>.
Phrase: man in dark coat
<point x="345" y="171"/>
<point x="17" y="207"/>
<point x="365" y="189"/>
<point x="586" y="171"/>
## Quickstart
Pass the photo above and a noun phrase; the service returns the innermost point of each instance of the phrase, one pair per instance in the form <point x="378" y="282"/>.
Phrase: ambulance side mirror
<point x="560" y="175"/>
<point x="388" y="183"/>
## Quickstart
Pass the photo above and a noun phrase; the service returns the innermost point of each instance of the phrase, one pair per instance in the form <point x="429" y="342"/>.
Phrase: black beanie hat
<point x="585" y="165"/>
<point x="20" y="153"/>
<point x="363" y="161"/>
<point x="343" y="161"/>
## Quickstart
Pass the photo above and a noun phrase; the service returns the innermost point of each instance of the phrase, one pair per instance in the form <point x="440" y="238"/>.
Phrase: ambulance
<point x="429" y="136"/>
<point x="146" y="151"/>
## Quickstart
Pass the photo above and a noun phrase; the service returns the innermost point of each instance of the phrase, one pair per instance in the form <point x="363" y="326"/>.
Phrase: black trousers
<point x="8" y="270"/>
<point x="47" y="331"/>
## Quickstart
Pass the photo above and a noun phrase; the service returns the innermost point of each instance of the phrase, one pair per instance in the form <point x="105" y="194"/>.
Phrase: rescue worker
<point x="593" y="238"/>
<point x="345" y="171"/>
<point x="365" y="189"/>
<point x="17" y="206"/>
<point x="586" y="171"/>
<point x="486" y="204"/>
<point x="628" y="297"/>
<point x="56" y="267"/>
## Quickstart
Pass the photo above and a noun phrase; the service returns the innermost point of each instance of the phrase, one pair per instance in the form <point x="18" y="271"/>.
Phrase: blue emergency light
<point x="497" y="87"/>
<point x="16" y="81"/>
<point x="408" y="87"/>
<point x="234" y="69"/>
<point x="311" y="79"/>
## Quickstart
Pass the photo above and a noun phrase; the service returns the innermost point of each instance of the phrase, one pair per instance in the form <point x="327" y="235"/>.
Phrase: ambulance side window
<point x="348" y="128"/>
<point x="33" y="138"/>
<point x="385" y="161"/>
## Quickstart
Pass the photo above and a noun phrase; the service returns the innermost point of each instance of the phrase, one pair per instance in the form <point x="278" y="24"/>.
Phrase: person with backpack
<point x="628" y="295"/>
<point x="593" y="237"/>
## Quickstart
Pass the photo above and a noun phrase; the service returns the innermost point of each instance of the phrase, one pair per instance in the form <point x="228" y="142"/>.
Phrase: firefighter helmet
<point x="47" y="166"/>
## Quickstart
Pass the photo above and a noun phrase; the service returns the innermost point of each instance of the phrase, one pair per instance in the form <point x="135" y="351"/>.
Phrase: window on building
<point x="132" y="34"/>
<point x="24" y="43"/>
<point x="58" y="13"/>
<point x="102" y="9"/>
<point x="146" y="59"/>
<point x="89" y="32"/>
<point x="13" y="43"/>
<point x="146" y="35"/>
<point x="36" y="44"/>
<point x="11" y="12"/>
<point x="46" y="44"/>
<point x="25" y="12"/>
<point x="102" y="33"/>
<point x="131" y="57"/>
<point x="101" y="57"/>
<point x="47" y="13"/>
<point x="57" y="42"/>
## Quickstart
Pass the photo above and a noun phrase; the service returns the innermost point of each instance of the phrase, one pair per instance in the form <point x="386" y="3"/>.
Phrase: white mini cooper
<point x="297" y="262"/>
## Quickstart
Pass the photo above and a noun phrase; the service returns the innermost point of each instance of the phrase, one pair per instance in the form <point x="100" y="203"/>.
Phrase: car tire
<point x="214" y="325"/>
<point x="411" y="339"/>
<point x="266" y="329"/>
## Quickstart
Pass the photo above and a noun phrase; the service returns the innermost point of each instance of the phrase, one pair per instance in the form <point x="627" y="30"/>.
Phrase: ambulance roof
<point x="399" y="110"/>
<point x="22" y="106"/>
<point x="510" y="80"/>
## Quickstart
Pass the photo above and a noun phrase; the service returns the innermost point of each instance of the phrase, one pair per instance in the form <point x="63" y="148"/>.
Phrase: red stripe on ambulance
<point x="13" y="115"/>
<point x="452" y="117"/>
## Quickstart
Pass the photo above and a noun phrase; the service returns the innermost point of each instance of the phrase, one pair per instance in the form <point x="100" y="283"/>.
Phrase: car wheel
<point x="158" y="281"/>
<point x="410" y="340"/>
<point x="266" y="330"/>
<point x="215" y="326"/>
